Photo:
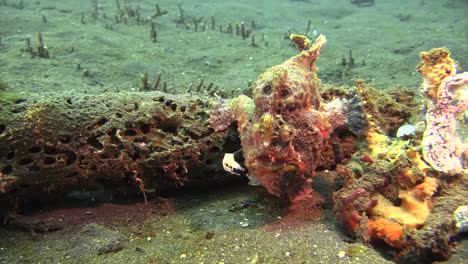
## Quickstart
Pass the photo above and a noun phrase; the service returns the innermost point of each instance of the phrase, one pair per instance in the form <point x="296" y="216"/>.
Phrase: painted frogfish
<point x="285" y="127"/>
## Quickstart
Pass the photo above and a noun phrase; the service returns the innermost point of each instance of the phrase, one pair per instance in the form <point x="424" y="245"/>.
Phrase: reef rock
<point x="447" y="94"/>
<point x="403" y="196"/>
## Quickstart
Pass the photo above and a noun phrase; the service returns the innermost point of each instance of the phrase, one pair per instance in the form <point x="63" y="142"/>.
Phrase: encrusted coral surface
<point x="447" y="94"/>
<point x="51" y="144"/>
<point x="392" y="199"/>
<point x="399" y="191"/>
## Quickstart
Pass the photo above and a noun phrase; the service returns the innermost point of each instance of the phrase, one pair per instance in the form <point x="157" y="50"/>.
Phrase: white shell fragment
<point x="406" y="130"/>
<point x="230" y="165"/>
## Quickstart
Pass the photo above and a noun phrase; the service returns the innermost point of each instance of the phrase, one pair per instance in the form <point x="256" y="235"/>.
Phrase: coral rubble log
<point x="53" y="144"/>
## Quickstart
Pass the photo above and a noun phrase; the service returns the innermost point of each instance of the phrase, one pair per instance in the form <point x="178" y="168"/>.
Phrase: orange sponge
<point x="389" y="231"/>
<point x="436" y="64"/>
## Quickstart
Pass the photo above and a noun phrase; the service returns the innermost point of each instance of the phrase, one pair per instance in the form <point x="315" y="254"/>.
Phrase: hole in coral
<point x="140" y="140"/>
<point x="195" y="134"/>
<point x="129" y="124"/>
<point x="25" y="161"/>
<point x="104" y="156"/>
<point x="99" y="123"/>
<point x="94" y="142"/>
<point x="290" y="107"/>
<point x="118" y="115"/>
<point x="267" y="89"/>
<point x="182" y="108"/>
<point x="51" y="150"/>
<point x="102" y="121"/>
<point x="65" y="139"/>
<point x="174" y="107"/>
<point x="69" y="101"/>
<point x="19" y="101"/>
<point x="130" y="132"/>
<point x="397" y="202"/>
<point x="35" y="149"/>
<point x="2" y="128"/>
<point x="49" y="160"/>
<point x="113" y="136"/>
<point x="145" y="128"/>
<point x="135" y="156"/>
<point x="71" y="157"/>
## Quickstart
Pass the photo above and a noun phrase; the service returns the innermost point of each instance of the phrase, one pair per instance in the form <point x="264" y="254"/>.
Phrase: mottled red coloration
<point x="371" y="205"/>
<point x="351" y="220"/>
<point x="298" y="215"/>
<point x="104" y="214"/>
<point x="353" y="205"/>
<point x="354" y="195"/>
<point x="285" y="132"/>
<point x="365" y="158"/>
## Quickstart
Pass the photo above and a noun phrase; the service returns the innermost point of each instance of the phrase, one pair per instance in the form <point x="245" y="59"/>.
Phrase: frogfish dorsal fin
<point x="309" y="53"/>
